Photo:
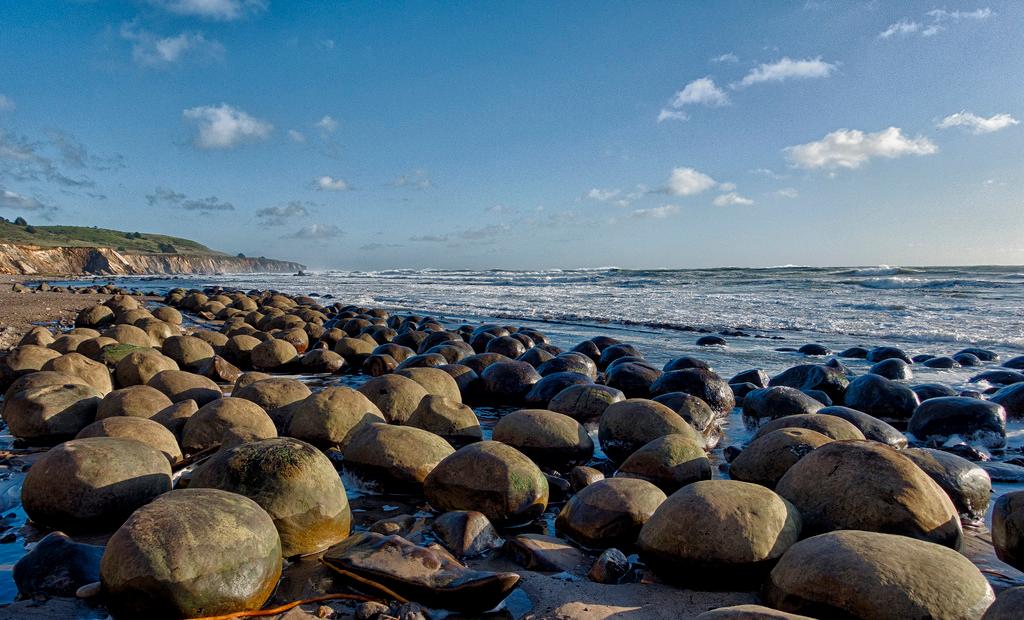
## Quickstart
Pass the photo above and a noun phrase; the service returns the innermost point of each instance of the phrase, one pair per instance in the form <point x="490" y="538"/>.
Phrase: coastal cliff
<point x="19" y="259"/>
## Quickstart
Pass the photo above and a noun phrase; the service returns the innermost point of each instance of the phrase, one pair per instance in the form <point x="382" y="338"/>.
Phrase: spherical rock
<point x="179" y="385"/>
<point x="858" y="574"/>
<point x="396" y="397"/>
<point x="1007" y="606"/>
<point x="93" y="484"/>
<point x="215" y="421"/>
<point x="610" y="512"/>
<point x="829" y="426"/>
<point x="191" y="553"/>
<point x="692" y="409"/>
<point x="719" y="533"/>
<point x="492" y="478"/>
<point x="670" y="462"/>
<point x="168" y="314"/>
<point x="1011" y="399"/>
<point x="28" y="358"/>
<point x="968" y="485"/>
<point x="129" y="334"/>
<point x="508" y="382"/>
<point x="141" y="365"/>
<point x="970" y="418"/>
<point x="831" y="381"/>
<point x="455" y="422"/>
<point x="173" y="418"/>
<point x="550" y="386"/>
<point x="883" y="353"/>
<point x="77" y="365"/>
<point x="434" y="380"/>
<point x="1008" y="528"/>
<point x="151" y="433"/>
<point x="46" y="412"/>
<point x="138" y="401"/>
<point x="585" y="402"/>
<point x="700" y="382"/>
<point x="273" y="354"/>
<point x="770" y="456"/>
<point x="633" y="378"/>
<point x="293" y="481"/>
<point x="400" y="457"/>
<point x="871" y="427"/>
<point x="329" y="418"/>
<point x="94" y="316"/>
<point x="943" y="362"/>
<point x="864" y="485"/>
<point x="275" y="395"/>
<point x="57" y="566"/>
<point x="777" y="402"/>
<point x="548" y="438"/>
<point x="892" y="368"/>
<point x="628" y="425"/>
<point x="879" y="397"/>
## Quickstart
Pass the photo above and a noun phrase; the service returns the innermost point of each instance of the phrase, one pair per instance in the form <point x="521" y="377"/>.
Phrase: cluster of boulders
<point x="828" y="509"/>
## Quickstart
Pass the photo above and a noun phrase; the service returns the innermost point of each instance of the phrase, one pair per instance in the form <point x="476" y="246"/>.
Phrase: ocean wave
<point x="898" y="282"/>
<point x="880" y="270"/>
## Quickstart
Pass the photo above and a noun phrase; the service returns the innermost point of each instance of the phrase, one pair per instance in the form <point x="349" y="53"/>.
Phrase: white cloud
<point x="6" y="104"/>
<point x="316" y="231"/>
<point x="701" y="91"/>
<point x="225" y="127"/>
<point x="943" y="15"/>
<point x="603" y="195"/>
<point x="901" y="28"/>
<point x="327" y="124"/>
<point x="217" y="10"/>
<point x="672" y="115"/>
<point x="726" y="57"/>
<point x="687" y="182"/>
<point x="19" y="202"/>
<point x="328" y="183"/>
<point x="787" y="69"/>
<point x="731" y="199"/>
<point x="279" y="215"/>
<point x="150" y="49"/>
<point x="171" y="198"/>
<point x="787" y="192"/>
<point x="978" y="124"/>
<point x="766" y="172"/>
<point x="655" y="213"/>
<point x="931" y="30"/>
<point x="850" y="148"/>
<point x="296" y="136"/>
<point x="727" y="187"/>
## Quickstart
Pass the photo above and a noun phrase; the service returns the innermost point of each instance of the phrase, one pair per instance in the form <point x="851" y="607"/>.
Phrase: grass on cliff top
<point x="82" y="236"/>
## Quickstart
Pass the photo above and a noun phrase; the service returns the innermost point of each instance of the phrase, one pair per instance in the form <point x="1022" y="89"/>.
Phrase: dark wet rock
<point x="585" y="402"/>
<point x="582" y="476"/>
<point x="884" y="399"/>
<point x="466" y="533"/>
<point x="541" y="553"/>
<point x="883" y="353"/>
<point x="872" y="428"/>
<point x="222" y="419"/>
<point x="396" y="397"/>
<point x="191" y="553"/>
<point x="967" y="359"/>
<point x="613" y="352"/>
<point x="610" y="512"/>
<point x="92" y="484"/>
<point x="711" y="341"/>
<point x="826" y="379"/>
<point x="699" y="382"/>
<point x="669" y="462"/>
<point x="551" y="385"/>
<point x="454" y="422"/>
<point x="153" y="434"/>
<point x="970" y="418"/>
<point x="421" y="360"/>
<point x="508" y="382"/>
<point x="466" y="379"/>
<point x="419" y="573"/>
<point x="480" y="361"/>
<point x="776" y="402"/>
<point x="833" y="427"/>
<point x="922" y="357"/>
<point x="1007" y="606"/>
<point x="400" y="457"/>
<point x="492" y="478"/>
<point x="926" y="391"/>
<point x="892" y="368"/>
<point x="293" y="482"/>
<point x="819" y="396"/>
<point x="609" y="568"/>
<point x="505" y="345"/>
<point x="984" y="355"/>
<point x="770" y="456"/>
<point x="854" y="353"/>
<point x="329" y="418"/>
<point x="755" y="375"/>
<point x="320" y="361"/>
<point x="633" y="378"/>
<point x="863" y="485"/>
<point x="535" y="356"/>
<point x="57" y="566"/>
<point x="814" y="349"/>
<point x="853" y="574"/>
<point x="943" y="362"/>
<point x="628" y="425"/>
<point x="968" y="485"/>
<point x="550" y="439"/>
<point x="569" y="362"/>
<point x="999" y="377"/>
<point x="719" y="533"/>
<point x="684" y="362"/>
<point x="1011" y="399"/>
<point x="692" y="409"/>
<point x="740" y="391"/>
<point x="1003" y="472"/>
<point x="1016" y="363"/>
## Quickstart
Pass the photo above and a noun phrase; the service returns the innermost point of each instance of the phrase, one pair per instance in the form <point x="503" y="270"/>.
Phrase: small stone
<point x="89" y="590"/>
<point x="543" y="553"/>
<point x="370" y="610"/>
<point x="324" y="611"/>
<point x="610" y="567"/>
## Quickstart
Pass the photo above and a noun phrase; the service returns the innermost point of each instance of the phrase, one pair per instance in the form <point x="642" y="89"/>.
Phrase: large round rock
<point x="864" y="485"/>
<point x="141" y="365"/>
<point x="455" y="422"/>
<point x="828" y="425"/>
<point x="1008" y="528"/>
<point x="329" y="418"/>
<point x="396" y="396"/>
<point x="137" y="401"/>
<point x="970" y="418"/>
<point x="153" y="434"/>
<point x="46" y="414"/>
<point x="856" y="574"/>
<point x="585" y="402"/>
<point x="226" y="419"/>
<point x="179" y="385"/>
<point x="670" y="462"/>
<point x="628" y="425"/>
<point x="192" y="553"/>
<point x="882" y="398"/>
<point x="776" y="402"/>
<point x="550" y="439"/>
<point x="492" y="478"/>
<point x="700" y="382"/>
<point x="293" y="481"/>
<point x="93" y="484"/>
<point x="819" y="377"/>
<point x="770" y="456"/>
<point x="508" y="382"/>
<point x="967" y="484"/>
<point x="719" y="533"/>
<point x="610" y="512"/>
<point x="399" y="456"/>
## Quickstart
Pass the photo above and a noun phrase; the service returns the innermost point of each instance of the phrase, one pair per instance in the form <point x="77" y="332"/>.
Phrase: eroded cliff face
<point x="28" y="260"/>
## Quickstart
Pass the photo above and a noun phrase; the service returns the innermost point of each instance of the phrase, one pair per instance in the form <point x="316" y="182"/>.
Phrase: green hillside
<point x="82" y="236"/>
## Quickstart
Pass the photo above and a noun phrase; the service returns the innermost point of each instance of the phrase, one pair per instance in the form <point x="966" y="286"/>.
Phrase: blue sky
<point x="527" y="134"/>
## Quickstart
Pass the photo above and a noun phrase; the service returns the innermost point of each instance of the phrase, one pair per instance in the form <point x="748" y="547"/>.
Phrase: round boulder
<point x="700" y="382"/>
<point x="551" y="439"/>
<point x="179" y="385"/>
<point x="882" y="398"/>
<point x="967" y="484"/>
<point x="396" y="397"/>
<point x="970" y="418"/>
<point x="48" y="413"/>
<point x="508" y="382"/>
<point x="329" y="418"/>
<point x="829" y="426"/>
<point x="776" y="402"/>
<point x="141" y="365"/>
<point x="77" y="365"/>
<point x="398" y="456"/>
<point x="770" y="456"/>
<point x="610" y="512"/>
<point x="626" y="426"/>
<point x="151" y="433"/>
<point x="670" y="462"/>
<point x="137" y="401"/>
<point x="1008" y="528"/>
<point x="585" y="402"/>
<point x="220" y="419"/>
<point x="455" y="422"/>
